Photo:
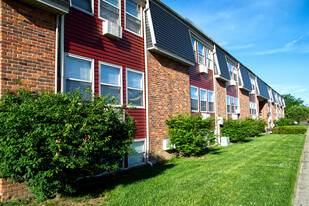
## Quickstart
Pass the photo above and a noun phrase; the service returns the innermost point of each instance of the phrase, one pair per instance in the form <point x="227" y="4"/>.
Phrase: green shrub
<point x="49" y="140"/>
<point x="190" y="133"/>
<point x="284" y="122"/>
<point x="239" y="130"/>
<point x="289" y="130"/>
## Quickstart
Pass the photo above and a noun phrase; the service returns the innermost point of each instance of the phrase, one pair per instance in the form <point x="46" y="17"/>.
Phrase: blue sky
<point x="270" y="37"/>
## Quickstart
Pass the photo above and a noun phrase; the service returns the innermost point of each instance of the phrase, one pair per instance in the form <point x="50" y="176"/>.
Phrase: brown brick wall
<point x="221" y="98"/>
<point x="27" y="56"/>
<point x="244" y="103"/>
<point x="169" y="93"/>
<point x="27" y="47"/>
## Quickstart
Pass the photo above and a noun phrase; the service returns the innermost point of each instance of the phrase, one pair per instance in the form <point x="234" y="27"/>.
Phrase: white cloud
<point x="290" y="44"/>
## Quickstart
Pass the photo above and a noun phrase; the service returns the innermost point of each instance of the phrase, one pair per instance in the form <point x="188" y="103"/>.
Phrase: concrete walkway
<point x="302" y="190"/>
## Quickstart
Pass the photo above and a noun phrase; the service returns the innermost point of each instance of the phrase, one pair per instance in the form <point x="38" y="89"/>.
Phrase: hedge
<point x="289" y="130"/>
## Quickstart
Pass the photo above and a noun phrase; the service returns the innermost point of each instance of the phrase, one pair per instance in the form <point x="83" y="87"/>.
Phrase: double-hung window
<point x="228" y="104"/>
<point x="194" y="98"/>
<point x="203" y="97"/>
<point x="201" y="54"/>
<point x="211" y="102"/>
<point x="232" y="105"/>
<point x="236" y="105"/>
<point x="194" y="48"/>
<point x="253" y="83"/>
<point x="84" y="5"/>
<point x="110" y="10"/>
<point x="110" y="84"/>
<point x="133" y="17"/>
<point x="78" y="74"/>
<point x="135" y="88"/>
<point x="231" y="70"/>
<point x="252" y="106"/>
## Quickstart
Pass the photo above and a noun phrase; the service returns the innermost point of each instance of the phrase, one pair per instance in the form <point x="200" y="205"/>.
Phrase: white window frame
<point x="99" y="11"/>
<point x="141" y="19"/>
<point x="120" y="80"/>
<point x="236" y="104"/>
<point x="212" y="101"/>
<point x="143" y="88"/>
<point x="206" y="95"/>
<point x="194" y="43"/>
<point x="252" y="106"/>
<point x="144" y="153"/>
<point x="233" y="105"/>
<point x="198" y="95"/>
<point x="81" y="9"/>
<point x="253" y="83"/>
<point x="228" y="104"/>
<point x="64" y="89"/>
<point x="202" y="54"/>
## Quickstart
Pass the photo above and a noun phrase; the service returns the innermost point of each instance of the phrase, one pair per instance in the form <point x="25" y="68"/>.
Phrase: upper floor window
<point x="110" y="82"/>
<point x="252" y="79"/>
<point x="109" y="10"/>
<point x="194" y="47"/>
<point x="211" y="101"/>
<point x="84" y="5"/>
<point x="194" y="98"/>
<point x="228" y="104"/>
<point x="201" y="53"/>
<point x="78" y="74"/>
<point x="135" y="88"/>
<point x="270" y="95"/>
<point x="133" y="17"/>
<point x="233" y="72"/>
<point x="203" y="94"/>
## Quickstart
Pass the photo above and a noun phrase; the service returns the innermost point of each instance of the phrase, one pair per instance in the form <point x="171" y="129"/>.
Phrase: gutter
<point x="62" y="53"/>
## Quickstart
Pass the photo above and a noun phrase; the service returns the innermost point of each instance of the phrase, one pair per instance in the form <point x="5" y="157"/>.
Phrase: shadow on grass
<point x="97" y="185"/>
<point x="212" y="151"/>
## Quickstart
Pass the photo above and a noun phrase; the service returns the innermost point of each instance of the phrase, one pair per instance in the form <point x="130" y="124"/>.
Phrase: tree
<point x="292" y="101"/>
<point x="298" y="113"/>
<point x="49" y="140"/>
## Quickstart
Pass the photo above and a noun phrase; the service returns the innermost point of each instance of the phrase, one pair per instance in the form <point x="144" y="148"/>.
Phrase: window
<point x="239" y="79"/>
<point x="236" y="105"/>
<point x="211" y="102"/>
<point x="270" y="95"/>
<point x="231" y="70"/>
<point x="232" y="105"/>
<point x="84" y="5"/>
<point x="78" y="74"/>
<point x="203" y="97"/>
<point x="228" y="104"/>
<point x="201" y="54"/>
<point x="252" y="108"/>
<point x="133" y="17"/>
<point x="135" y="88"/>
<point x="194" y="48"/>
<point x="110" y="82"/>
<point x="109" y="10"/>
<point x="138" y="156"/>
<point x="194" y="98"/>
<point x="252" y="79"/>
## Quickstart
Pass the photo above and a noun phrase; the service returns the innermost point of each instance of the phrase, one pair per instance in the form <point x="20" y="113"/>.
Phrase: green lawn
<point x="262" y="171"/>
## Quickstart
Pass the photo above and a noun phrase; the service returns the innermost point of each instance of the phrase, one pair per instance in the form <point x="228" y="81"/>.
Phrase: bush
<point x="289" y="130"/>
<point x="284" y="122"/>
<point x="190" y="133"/>
<point x="239" y="130"/>
<point x="49" y="140"/>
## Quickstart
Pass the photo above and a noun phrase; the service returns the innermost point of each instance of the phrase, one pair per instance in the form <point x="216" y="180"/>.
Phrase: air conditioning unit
<point x="112" y="30"/>
<point x="167" y="145"/>
<point x="237" y="111"/>
<point x="234" y="116"/>
<point x="232" y="82"/>
<point x="203" y="69"/>
<point x="253" y="92"/>
<point x="205" y="116"/>
<point x="220" y="120"/>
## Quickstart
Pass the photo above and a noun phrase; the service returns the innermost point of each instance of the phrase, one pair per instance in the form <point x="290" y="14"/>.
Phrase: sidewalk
<point x="302" y="190"/>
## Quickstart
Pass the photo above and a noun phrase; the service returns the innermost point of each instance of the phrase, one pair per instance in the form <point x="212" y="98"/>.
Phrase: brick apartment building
<point x="140" y="51"/>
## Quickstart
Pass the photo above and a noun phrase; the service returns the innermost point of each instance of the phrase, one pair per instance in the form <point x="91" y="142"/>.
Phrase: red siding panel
<point x="204" y="81"/>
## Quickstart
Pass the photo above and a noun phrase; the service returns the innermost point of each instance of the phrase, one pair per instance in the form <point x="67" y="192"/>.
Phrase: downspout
<point x="56" y="54"/>
<point x="146" y="79"/>
<point x="215" y="93"/>
<point x="62" y="53"/>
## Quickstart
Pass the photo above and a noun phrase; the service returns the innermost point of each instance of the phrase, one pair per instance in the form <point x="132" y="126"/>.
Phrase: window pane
<point x="200" y="48"/>
<point x="83" y="4"/>
<point x="133" y="24"/>
<point x="194" y="94"/>
<point x="233" y="109"/>
<point x="211" y="106"/>
<point x="135" y="158"/>
<point x="133" y="8"/>
<point x="110" y="75"/>
<point x="77" y="68"/>
<point x="135" y="97"/>
<point x="112" y="91"/>
<point x="81" y="86"/>
<point x="203" y="95"/>
<point x="134" y="80"/>
<point x="210" y="96"/>
<point x="228" y="109"/>
<point x="109" y="12"/>
<point x="114" y="2"/>
<point x="194" y="104"/>
<point x="138" y="146"/>
<point x="193" y="44"/>
<point x="228" y="100"/>
<point x="203" y="106"/>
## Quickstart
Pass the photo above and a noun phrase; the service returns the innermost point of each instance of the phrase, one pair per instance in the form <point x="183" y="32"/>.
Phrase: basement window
<point x="137" y="157"/>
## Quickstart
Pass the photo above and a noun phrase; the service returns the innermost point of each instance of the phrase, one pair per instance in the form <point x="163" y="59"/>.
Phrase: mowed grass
<point x="262" y="171"/>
